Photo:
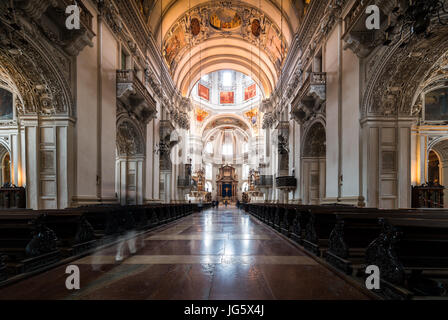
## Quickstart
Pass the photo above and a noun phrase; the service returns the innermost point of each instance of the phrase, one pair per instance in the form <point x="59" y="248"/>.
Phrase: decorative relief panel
<point x="47" y="161"/>
<point x="129" y="140"/>
<point x="394" y="74"/>
<point x="388" y="160"/>
<point x="43" y="83"/>
<point x="315" y="141"/>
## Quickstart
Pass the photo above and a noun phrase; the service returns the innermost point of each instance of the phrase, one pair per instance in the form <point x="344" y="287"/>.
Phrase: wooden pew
<point x="353" y="232"/>
<point x="75" y="234"/>
<point x="27" y="242"/>
<point x="3" y="267"/>
<point x="107" y="220"/>
<point x="313" y="225"/>
<point x="411" y="253"/>
<point x="30" y="240"/>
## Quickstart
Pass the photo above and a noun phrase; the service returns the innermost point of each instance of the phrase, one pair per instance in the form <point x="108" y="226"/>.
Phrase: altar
<point x="227" y="184"/>
<point x="197" y="194"/>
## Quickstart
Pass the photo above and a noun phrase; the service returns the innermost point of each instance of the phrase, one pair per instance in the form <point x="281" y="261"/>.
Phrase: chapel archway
<point x="5" y="162"/>
<point x="437" y="165"/>
<point x="129" y="162"/>
<point x="38" y="68"/>
<point x="314" y="164"/>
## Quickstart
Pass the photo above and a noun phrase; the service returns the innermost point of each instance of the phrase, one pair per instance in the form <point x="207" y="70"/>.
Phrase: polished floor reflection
<point x="216" y="254"/>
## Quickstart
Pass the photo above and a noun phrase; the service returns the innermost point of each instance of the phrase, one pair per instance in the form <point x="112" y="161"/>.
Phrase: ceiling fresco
<point x="224" y="19"/>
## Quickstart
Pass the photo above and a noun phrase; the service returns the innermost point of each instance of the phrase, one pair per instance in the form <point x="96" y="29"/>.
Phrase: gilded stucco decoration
<point x="231" y="20"/>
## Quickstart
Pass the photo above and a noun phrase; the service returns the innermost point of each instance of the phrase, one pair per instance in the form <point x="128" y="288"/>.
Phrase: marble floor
<point x="215" y="254"/>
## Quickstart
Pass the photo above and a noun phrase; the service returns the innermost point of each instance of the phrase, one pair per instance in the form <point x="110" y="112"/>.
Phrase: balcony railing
<point x="310" y="97"/>
<point x="314" y="80"/>
<point x="318" y="78"/>
<point x="133" y="93"/>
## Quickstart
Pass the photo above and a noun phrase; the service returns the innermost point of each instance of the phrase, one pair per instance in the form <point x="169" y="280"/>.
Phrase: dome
<point x="226" y="90"/>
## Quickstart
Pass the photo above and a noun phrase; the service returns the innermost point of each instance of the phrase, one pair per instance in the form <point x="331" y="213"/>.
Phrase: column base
<point x="78" y="201"/>
<point x="148" y="201"/>
<point x="357" y="201"/>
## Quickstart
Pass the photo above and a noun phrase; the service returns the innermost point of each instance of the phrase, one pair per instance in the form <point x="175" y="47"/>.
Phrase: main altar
<point x="227" y="184"/>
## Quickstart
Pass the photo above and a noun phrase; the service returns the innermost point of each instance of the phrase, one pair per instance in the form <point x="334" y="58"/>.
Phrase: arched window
<point x="208" y="186"/>
<point x="208" y="171"/>
<point x="6" y="102"/>
<point x="6" y="164"/>
<point x="227" y="79"/>
<point x="227" y="149"/>
<point x="245" y="171"/>
<point x="209" y="148"/>
<point x="433" y="167"/>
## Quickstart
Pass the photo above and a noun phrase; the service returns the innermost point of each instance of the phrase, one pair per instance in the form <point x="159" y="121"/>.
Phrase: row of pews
<point x="35" y="239"/>
<point x="410" y="246"/>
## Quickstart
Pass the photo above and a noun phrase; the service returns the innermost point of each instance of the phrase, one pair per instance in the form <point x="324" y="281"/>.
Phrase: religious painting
<point x="252" y="115"/>
<point x="201" y="114"/>
<point x="195" y="27"/>
<point x="225" y="19"/>
<point x="227" y="97"/>
<point x="250" y="92"/>
<point x="227" y="190"/>
<point x="203" y="92"/>
<point x="436" y="105"/>
<point x="256" y="28"/>
<point x="174" y="44"/>
<point x="6" y="103"/>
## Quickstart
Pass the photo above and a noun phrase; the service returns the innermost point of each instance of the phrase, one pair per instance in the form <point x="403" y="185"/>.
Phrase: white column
<point x="156" y="167"/>
<point x="31" y="133"/>
<point x="404" y="164"/>
<point x="149" y="168"/>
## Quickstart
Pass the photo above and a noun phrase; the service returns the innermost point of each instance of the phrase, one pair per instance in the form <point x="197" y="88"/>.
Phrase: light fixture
<point x="415" y="18"/>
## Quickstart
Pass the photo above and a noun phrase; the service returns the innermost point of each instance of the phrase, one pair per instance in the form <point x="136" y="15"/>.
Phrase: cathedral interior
<point x="250" y="149"/>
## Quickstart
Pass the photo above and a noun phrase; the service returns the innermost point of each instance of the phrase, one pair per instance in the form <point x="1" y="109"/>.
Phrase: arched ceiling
<point x="224" y="121"/>
<point x="249" y="36"/>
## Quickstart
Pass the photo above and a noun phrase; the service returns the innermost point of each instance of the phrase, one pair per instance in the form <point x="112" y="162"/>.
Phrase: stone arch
<point x="434" y="162"/>
<point x="314" y="142"/>
<point x="394" y="74"/>
<point x="40" y="73"/>
<point x="130" y="141"/>
<point x="4" y="151"/>
<point x="215" y="121"/>
<point x="440" y="147"/>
